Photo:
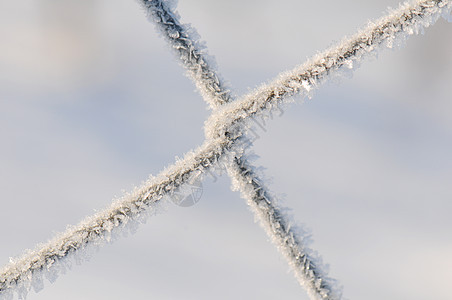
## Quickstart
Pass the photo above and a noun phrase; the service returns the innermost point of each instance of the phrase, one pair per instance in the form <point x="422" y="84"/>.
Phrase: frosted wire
<point x="183" y="39"/>
<point x="21" y="274"/>
<point x="253" y="189"/>
<point x="388" y="31"/>
<point x="408" y="19"/>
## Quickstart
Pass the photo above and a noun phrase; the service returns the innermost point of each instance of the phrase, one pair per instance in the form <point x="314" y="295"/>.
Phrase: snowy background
<point x="92" y="102"/>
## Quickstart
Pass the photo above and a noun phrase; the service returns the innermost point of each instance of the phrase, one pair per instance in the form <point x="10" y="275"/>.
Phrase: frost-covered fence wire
<point x="184" y="40"/>
<point x="291" y="240"/>
<point x="224" y="129"/>
<point x="26" y="272"/>
<point x="200" y="67"/>
<point x="389" y="31"/>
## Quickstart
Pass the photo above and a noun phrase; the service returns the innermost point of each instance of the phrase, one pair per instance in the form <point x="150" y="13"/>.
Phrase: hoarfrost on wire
<point x="226" y="126"/>
<point x="277" y="224"/>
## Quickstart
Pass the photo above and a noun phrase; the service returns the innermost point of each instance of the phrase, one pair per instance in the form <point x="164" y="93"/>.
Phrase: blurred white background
<point x="92" y="102"/>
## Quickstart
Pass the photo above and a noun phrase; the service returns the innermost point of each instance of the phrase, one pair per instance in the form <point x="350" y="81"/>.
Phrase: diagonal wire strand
<point x="191" y="53"/>
<point x="389" y="31"/>
<point x="277" y="225"/>
<point x="26" y="272"/>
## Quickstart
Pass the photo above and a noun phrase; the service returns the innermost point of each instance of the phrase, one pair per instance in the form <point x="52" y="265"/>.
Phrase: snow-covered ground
<point x="92" y="102"/>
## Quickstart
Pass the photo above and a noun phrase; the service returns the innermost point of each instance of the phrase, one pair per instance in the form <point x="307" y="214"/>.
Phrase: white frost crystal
<point x="225" y="131"/>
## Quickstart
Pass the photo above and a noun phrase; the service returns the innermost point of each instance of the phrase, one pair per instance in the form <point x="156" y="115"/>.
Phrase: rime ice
<point x="224" y="130"/>
<point x="389" y="31"/>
